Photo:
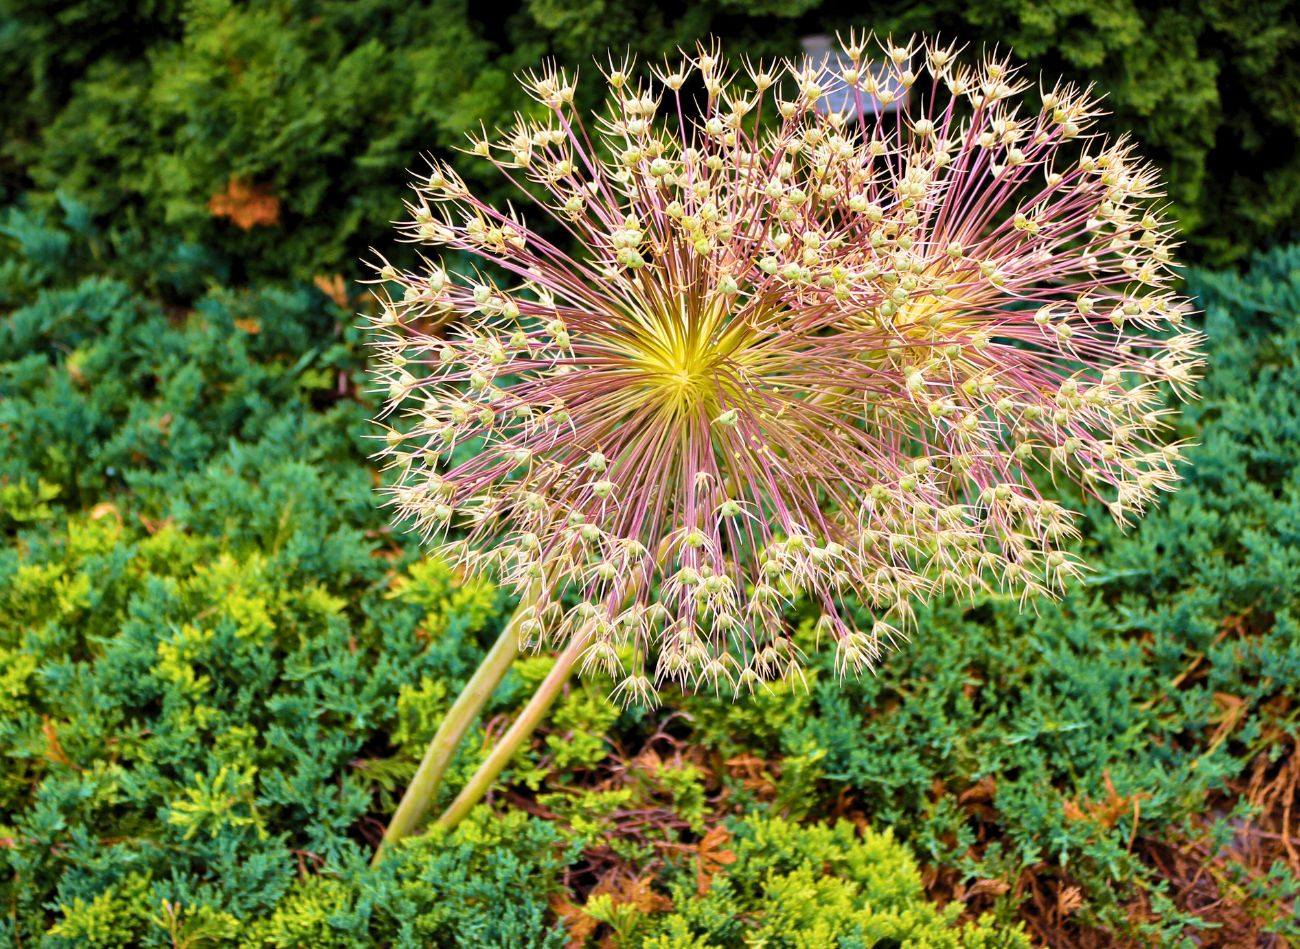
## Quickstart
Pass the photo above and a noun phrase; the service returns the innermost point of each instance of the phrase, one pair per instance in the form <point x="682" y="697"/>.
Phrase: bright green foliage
<point x="805" y="887"/>
<point x="486" y="885"/>
<point x="199" y="720"/>
<point x="145" y="111"/>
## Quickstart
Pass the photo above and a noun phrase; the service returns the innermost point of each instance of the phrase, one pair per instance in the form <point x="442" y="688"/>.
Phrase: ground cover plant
<point x="221" y="665"/>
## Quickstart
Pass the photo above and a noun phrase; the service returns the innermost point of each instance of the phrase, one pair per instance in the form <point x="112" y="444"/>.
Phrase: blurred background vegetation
<point x="219" y="664"/>
<point x="148" y="111"/>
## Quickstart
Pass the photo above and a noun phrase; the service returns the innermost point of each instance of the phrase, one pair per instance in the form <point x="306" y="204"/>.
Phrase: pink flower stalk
<point x="796" y="353"/>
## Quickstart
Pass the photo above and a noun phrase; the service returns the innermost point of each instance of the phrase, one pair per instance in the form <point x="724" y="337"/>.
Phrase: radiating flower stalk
<point x="782" y="353"/>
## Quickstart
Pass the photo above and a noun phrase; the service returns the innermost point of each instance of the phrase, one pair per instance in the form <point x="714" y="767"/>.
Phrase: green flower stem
<point x="424" y="786"/>
<point x="518" y="732"/>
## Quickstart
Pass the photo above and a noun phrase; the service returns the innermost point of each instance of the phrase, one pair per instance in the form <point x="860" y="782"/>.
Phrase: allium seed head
<point x="785" y="352"/>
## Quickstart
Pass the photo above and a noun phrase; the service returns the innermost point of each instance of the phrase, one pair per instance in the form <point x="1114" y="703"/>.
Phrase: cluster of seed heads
<point x="767" y="351"/>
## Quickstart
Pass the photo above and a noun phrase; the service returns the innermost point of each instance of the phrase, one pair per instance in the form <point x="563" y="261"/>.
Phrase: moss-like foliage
<point x="805" y="887"/>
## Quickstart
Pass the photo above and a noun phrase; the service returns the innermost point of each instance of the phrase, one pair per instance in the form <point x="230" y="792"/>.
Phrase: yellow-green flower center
<point x="681" y="359"/>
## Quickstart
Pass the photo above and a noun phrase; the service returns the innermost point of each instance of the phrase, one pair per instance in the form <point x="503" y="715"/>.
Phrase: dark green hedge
<point x="144" y="111"/>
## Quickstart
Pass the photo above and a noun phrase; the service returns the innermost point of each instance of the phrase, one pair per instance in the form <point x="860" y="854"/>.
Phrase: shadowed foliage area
<point x="166" y="113"/>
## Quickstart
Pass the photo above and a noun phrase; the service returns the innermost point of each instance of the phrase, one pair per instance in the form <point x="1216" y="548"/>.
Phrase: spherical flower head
<point x="784" y="352"/>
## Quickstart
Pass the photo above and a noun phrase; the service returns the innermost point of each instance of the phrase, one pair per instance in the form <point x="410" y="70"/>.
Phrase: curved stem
<point x="422" y="790"/>
<point x="518" y="732"/>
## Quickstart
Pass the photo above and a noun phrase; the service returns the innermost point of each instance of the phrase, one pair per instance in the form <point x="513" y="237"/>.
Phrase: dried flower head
<point x="797" y="352"/>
